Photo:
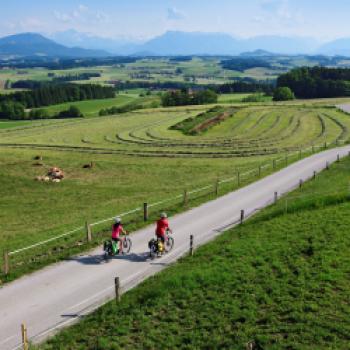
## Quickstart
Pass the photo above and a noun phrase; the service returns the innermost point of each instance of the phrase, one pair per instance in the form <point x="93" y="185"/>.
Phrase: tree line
<point x="245" y="87"/>
<point x="76" y="77"/>
<point x="12" y="106"/>
<point x="241" y="86"/>
<point x="51" y="94"/>
<point x="241" y="64"/>
<point x="65" y="63"/>
<point x="15" y="111"/>
<point x="317" y="82"/>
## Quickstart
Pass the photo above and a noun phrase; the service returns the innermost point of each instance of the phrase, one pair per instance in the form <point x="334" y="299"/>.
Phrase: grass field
<point x="13" y="124"/>
<point x="280" y="280"/>
<point x="90" y="108"/>
<point x="232" y="98"/>
<point x="260" y="130"/>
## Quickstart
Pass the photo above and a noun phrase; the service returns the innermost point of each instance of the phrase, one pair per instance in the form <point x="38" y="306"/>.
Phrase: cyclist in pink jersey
<point x="117" y="230"/>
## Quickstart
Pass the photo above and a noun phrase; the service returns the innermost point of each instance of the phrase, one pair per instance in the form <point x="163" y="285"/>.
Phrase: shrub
<point x="72" y="112"/>
<point x="39" y="114"/>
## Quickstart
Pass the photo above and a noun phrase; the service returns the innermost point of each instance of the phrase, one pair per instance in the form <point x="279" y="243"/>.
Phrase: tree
<point x="283" y="94"/>
<point x="12" y="110"/>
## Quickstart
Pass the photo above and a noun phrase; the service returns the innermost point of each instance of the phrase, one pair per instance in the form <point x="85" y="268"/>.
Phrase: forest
<point x="51" y="94"/>
<point x="241" y="64"/>
<point x="317" y="82"/>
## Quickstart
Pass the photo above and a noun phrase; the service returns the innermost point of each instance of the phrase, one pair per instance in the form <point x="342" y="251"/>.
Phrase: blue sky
<point x="142" y="19"/>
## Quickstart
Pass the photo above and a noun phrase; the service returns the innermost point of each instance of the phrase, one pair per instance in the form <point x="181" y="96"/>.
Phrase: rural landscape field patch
<point x="138" y="157"/>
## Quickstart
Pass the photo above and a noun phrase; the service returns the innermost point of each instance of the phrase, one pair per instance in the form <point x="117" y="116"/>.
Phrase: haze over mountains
<point x="74" y="44"/>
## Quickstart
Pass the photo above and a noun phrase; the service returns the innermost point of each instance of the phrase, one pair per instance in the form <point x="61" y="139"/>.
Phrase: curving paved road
<point x="58" y="295"/>
<point x="344" y="107"/>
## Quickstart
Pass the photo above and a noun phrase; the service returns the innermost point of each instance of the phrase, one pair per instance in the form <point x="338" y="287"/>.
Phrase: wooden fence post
<point x="6" y="263"/>
<point x="338" y="158"/>
<point x="88" y="232"/>
<point x="276" y="197"/>
<point x="185" y="202"/>
<point x="24" y="336"/>
<point x="216" y="187"/>
<point x="238" y="178"/>
<point x="145" y="211"/>
<point x="242" y="216"/>
<point x="327" y="165"/>
<point x="315" y="175"/>
<point x="300" y="183"/>
<point x="325" y="145"/>
<point x="191" y="245"/>
<point x="117" y="289"/>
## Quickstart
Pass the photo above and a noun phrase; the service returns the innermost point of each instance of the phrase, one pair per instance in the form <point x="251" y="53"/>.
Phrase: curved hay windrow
<point x="220" y="132"/>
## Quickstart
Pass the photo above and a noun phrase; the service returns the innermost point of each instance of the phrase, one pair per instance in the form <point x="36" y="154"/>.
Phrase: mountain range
<point x="32" y="44"/>
<point x="74" y="44"/>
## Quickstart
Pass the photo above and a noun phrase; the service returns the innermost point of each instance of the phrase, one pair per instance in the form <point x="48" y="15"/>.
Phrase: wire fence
<point x="72" y="241"/>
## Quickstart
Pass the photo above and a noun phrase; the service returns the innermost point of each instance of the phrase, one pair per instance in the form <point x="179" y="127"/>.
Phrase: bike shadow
<point x="100" y="259"/>
<point x="133" y="257"/>
<point x="88" y="259"/>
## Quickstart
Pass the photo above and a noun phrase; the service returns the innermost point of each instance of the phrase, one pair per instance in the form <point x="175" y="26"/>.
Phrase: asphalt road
<point x="58" y="295"/>
<point x="344" y="107"/>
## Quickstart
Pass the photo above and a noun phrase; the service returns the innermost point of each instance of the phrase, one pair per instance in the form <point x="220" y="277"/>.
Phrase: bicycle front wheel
<point x="127" y="245"/>
<point x="169" y="243"/>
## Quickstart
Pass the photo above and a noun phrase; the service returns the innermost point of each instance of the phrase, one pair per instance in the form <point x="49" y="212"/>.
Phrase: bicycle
<point x="112" y="248"/>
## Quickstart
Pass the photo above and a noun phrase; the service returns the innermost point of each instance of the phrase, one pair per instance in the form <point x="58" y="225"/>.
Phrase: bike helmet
<point x="163" y="215"/>
<point x="118" y="220"/>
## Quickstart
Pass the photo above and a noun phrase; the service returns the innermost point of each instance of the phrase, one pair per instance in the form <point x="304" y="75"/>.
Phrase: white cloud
<point x="81" y="14"/>
<point x="279" y="11"/>
<point x="62" y="17"/>
<point x="101" y="17"/>
<point x="174" y="14"/>
<point x="273" y="5"/>
<point x="83" y="8"/>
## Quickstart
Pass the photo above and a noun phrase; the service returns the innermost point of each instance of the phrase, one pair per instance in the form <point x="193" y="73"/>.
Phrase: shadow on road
<point x="132" y="257"/>
<point x="88" y="259"/>
<point x="100" y="259"/>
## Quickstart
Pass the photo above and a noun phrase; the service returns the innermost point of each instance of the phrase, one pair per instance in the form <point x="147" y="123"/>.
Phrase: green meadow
<point x="280" y="280"/>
